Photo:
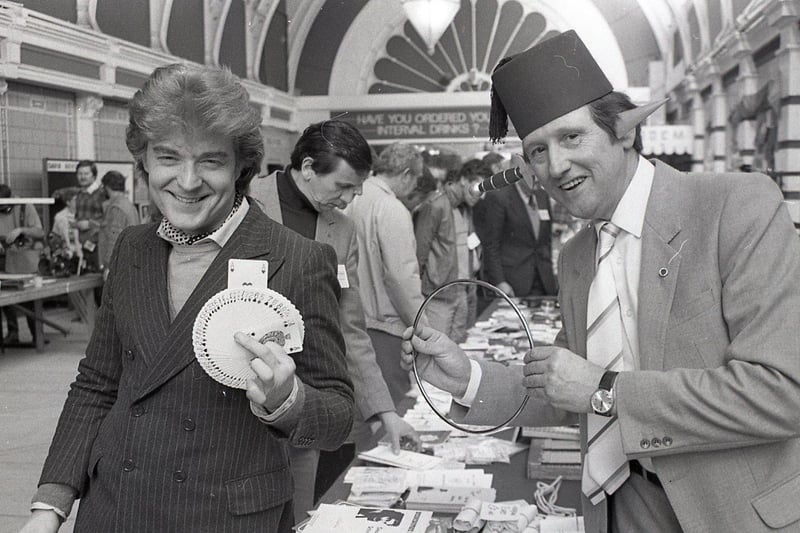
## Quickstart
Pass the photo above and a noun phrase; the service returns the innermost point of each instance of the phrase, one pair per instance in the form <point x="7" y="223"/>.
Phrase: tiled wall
<point x="110" y="132"/>
<point x="39" y="125"/>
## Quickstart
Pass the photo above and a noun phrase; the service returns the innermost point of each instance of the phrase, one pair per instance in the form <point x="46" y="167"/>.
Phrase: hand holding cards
<point x="263" y="314"/>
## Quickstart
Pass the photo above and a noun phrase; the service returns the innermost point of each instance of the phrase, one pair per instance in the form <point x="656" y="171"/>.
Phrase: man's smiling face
<point x="579" y="164"/>
<point x="192" y="179"/>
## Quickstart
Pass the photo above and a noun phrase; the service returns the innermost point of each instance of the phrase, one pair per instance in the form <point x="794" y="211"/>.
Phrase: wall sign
<point x="388" y="125"/>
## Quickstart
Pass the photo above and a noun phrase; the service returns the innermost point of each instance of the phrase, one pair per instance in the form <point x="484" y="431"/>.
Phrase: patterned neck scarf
<point x="178" y="236"/>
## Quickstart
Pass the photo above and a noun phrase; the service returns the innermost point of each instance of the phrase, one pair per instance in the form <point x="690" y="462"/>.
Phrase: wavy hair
<point x="182" y="97"/>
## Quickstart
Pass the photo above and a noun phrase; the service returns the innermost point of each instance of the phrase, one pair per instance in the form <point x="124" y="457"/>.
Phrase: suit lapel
<point x="326" y="226"/>
<point x="251" y="239"/>
<point x="576" y="286"/>
<point x="264" y="190"/>
<point x="660" y="266"/>
<point x="149" y="277"/>
<point x="519" y="211"/>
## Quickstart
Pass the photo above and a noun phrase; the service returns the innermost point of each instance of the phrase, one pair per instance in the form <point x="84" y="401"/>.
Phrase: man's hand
<point x="439" y="360"/>
<point x="275" y="371"/>
<point x="83" y="225"/>
<point x="565" y="379"/>
<point x="506" y="288"/>
<point x="396" y="428"/>
<point x="42" y="521"/>
<point x="13" y="235"/>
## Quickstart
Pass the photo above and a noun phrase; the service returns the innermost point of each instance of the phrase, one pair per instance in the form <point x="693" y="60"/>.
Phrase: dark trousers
<point x="12" y="324"/>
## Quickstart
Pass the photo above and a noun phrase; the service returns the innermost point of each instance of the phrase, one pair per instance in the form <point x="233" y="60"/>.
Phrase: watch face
<point x="602" y="401"/>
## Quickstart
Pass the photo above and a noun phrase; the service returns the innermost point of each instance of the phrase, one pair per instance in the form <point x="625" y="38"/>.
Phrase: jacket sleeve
<point x="499" y="395"/>
<point x="401" y="271"/>
<point x="491" y="235"/>
<point x="371" y="393"/>
<point x="323" y="416"/>
<point x="424" y="232"/>
<point x="90" y="397"/>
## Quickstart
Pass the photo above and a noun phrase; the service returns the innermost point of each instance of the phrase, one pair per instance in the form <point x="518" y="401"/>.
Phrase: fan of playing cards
<point x="264" y="314"/>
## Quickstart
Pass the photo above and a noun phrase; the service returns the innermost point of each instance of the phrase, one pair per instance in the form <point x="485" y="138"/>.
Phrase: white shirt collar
<point x="631" y="209"/>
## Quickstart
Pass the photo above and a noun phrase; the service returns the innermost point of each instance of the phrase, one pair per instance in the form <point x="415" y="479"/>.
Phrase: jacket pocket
<point x="777" y="506"/>
<point x="94" y="459"/>
<point x="259" y="492"/>
<point x="683" y="312"/>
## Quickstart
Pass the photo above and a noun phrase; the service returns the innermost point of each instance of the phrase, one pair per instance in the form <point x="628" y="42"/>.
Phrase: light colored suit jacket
<point x="149" y="441"/>
<point x="334" y="228"/>
<point x="716" y="405"/>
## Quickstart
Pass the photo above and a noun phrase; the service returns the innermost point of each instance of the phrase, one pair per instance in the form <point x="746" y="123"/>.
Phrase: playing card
<point x="247" y="273"/>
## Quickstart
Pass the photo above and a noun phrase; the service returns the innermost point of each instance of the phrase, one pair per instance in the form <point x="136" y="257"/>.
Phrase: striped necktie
<point x="534" y="214"/>
<point x="605" y="466"/>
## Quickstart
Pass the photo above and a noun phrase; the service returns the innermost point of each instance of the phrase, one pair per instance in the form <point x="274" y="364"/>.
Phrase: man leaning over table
<point x="329" y="164"/>
<point x="679" y="354"/>
<point x="388" y="272"/>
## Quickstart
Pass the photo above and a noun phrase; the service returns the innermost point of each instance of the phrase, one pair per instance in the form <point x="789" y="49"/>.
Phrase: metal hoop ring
<point x="527" y="328"/>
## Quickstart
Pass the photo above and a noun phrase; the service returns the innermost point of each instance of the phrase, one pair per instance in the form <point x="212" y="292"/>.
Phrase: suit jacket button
<point x="656" y="442"/>
<point x="188" y="424"/>
<point x="130" y="355"/>
<point x="128" y="465"/>
<point x="667" y="441"/>
<point x="137" y="411"/>
<point x="644" y="443"/>
<point x="179" y="476"/>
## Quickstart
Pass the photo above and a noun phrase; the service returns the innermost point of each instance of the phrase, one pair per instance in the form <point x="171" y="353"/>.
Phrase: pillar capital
<point x="88" y="106"/>
<point x="782" y="13"/>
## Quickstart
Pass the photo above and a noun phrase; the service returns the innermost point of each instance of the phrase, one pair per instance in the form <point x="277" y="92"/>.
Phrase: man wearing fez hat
<point x="679" y="356"/>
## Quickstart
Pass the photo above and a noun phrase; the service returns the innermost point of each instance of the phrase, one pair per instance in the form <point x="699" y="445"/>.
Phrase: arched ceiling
<point x="360" y="47"/>
<point x="368" y="46"/>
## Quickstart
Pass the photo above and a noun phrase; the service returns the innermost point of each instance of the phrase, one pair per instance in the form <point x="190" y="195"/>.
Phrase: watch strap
<point x="608" y="379"/>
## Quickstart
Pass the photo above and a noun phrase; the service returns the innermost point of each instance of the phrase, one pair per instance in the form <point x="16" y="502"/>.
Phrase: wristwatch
<point x="603" y="398"/>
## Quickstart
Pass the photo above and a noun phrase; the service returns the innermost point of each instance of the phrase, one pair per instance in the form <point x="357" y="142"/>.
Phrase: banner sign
<point x="667" y="139"/>
<point x="408" y="124"/>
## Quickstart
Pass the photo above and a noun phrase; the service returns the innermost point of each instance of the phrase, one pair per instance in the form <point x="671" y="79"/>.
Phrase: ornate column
<point x="698" y="123"/>
<point x="258" y="13"/>
<point x="719" y="120"/>
<point x="87" y="106"/>
<point x="5" y="175"/>
<point x="160" y="11"/>
<point x="86" y="11"/>
<point x="214" y="14"/>
<point x="10" y="46"/>
<point x="783" y="15"/>
<point x="745" y="133"/>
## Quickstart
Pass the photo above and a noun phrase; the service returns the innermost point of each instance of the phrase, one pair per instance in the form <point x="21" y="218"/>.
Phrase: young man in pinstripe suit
<point x="147" y="440"/>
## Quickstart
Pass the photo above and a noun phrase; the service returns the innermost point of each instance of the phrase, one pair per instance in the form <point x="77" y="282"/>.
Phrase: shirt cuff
<point x="287" y="404"/>
<point x="56" y="497"/>
<point x="475" y="376"/>
<point x="41" y="506"/>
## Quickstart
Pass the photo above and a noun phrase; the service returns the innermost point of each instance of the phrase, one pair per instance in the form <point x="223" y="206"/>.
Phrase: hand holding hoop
<point x="452" y="366"/>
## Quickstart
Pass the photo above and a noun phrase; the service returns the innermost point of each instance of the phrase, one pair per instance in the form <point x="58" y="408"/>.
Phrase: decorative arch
<point x="397" y="60"/>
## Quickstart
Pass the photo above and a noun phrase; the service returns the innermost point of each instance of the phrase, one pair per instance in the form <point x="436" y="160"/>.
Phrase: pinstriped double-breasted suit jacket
<point x="716" y="404"/>
<point x="150" y="441"/>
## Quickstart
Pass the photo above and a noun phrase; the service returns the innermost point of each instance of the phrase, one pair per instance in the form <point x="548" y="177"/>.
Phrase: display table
<point x="79" y="288"/>
<point x="509" y="480"/>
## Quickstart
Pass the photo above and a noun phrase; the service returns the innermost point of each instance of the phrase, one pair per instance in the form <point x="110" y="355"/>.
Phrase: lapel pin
<point x="662" y="272"/>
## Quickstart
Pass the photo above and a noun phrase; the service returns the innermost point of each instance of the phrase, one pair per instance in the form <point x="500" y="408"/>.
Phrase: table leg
<point x="83" y="302"/>
<point x="38" y="332"/>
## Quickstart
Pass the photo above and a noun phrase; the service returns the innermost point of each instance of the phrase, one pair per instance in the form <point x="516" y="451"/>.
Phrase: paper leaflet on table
<point x="350" y="519"/>
<point x="403" y="459"/>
